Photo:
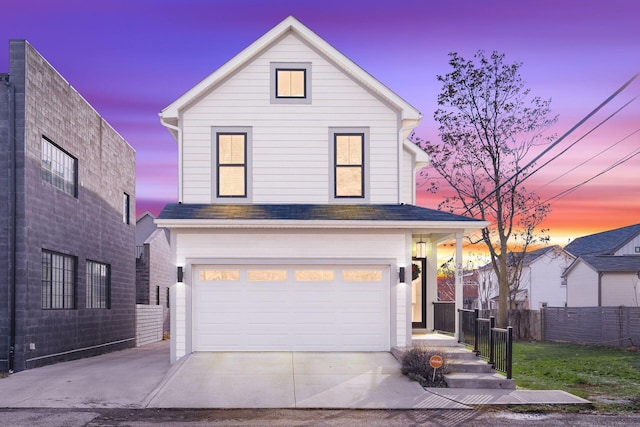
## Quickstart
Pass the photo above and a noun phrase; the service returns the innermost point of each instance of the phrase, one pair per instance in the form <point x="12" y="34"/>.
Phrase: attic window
<point x="291" y="83"/>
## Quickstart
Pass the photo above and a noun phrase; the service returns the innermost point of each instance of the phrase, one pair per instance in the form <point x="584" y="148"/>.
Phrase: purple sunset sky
<point x="132" y="58"/>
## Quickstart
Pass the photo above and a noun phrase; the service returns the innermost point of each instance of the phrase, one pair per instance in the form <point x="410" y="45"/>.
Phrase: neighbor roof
<point x="605" y="243"/>
<point x="291" y="24"/>
<point x="612" y="263"/>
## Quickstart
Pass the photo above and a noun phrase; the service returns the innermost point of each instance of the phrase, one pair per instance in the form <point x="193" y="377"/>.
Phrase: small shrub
<point x="415" y="365"/>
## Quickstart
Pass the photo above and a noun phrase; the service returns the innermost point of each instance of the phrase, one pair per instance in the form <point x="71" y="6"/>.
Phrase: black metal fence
<point x="444" y="316"/>
<point x="495" y="345"/>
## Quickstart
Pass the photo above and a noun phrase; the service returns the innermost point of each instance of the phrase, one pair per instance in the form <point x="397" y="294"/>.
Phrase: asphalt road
<point x="289" y="417"/>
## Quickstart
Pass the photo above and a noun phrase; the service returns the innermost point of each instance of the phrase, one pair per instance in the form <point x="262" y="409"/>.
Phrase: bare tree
<point x="489" y="124"/>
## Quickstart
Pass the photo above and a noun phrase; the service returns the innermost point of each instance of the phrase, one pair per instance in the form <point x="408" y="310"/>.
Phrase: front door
<point x="419" y="293"/>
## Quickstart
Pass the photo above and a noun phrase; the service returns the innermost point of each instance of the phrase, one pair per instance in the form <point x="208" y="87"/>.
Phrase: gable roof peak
<point x="169" y="115"/>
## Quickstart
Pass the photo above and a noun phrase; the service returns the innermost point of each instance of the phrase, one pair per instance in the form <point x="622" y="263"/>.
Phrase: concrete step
<point x="476" y="366"/>
<point x="479" y="380"/>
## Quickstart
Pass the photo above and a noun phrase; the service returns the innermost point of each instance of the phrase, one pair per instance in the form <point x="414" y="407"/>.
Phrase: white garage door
<point x="292" y="307"/>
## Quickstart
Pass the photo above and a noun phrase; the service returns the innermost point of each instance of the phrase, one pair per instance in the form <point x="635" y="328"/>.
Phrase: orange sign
<point x="435" y="361"/>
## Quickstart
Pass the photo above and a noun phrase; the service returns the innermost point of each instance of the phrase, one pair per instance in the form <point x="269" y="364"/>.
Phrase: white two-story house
<point x="296" y="227"/>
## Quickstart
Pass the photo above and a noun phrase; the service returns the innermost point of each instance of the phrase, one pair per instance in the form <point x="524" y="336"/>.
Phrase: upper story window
<point x="232" y="164"/>
<point x="349" y="165"/>
<point x="59" y="168"/>
<point x="58" y="289"/>
<point x="291" y="83"/>
<point x="231" y="158"/>
<point x="98" y="285"/>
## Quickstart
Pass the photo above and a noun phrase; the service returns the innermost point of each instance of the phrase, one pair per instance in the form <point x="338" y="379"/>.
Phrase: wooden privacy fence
<point x="611" y="326"/>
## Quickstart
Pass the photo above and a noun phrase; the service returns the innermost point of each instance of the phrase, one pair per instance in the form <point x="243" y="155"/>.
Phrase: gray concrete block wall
<point x="4" y="222"/>
<point x="87" y="227"/>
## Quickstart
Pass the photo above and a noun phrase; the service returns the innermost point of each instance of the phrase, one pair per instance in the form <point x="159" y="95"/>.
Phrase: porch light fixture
<point x="421" y="248"/>
<point x="401" y="274"/>
<point x="180" y="274"/>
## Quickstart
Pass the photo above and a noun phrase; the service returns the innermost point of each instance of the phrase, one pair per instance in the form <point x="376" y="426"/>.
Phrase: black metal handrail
<point x="495" y="345"/>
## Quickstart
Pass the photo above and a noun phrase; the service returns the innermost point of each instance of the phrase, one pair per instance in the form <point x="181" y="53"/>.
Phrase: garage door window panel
<point x="267" y="275"/>
<point x="219" y="275"/>
<point x="315" y="275"/>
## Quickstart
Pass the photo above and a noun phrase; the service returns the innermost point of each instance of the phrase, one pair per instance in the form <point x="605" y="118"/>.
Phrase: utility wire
<point x="593" y="129"/>
<point x="555" y="143"/>
<point x="575" y="187"/>
<point x="588" y="160"/>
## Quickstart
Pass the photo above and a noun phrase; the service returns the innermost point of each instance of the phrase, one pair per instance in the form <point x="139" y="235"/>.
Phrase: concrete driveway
<point x="293" y="380"/>
<point x="142" y="377"/>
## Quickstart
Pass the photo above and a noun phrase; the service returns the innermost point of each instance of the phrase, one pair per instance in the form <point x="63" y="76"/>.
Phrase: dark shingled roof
<point x="605" y="243"/>
<point x="399" y="212"/>
<point x="612" y="263"/>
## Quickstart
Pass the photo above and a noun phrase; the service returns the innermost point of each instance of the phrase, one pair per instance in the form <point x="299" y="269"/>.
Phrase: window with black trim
<point x="291" y="82"/>
<point x="349" y="164"/>
<point x="231" y="167"/>
<point x="58" y="167"/>
<point x="58" y="289"/>
<point x="98" y="285"/>
<point x="126" y="208"/>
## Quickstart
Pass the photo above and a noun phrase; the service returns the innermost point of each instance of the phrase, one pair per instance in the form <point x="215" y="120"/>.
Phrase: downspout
<point x="13" y="219"/>
<point x="179" y="132"/>
<point x="600" y="274"/>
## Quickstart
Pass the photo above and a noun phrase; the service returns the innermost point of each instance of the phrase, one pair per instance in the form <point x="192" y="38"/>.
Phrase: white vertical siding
<point x="178" y="321"/>
<point x="290" y="142"/>
<point x="620" y="289"/>
<point x="582" y="286"/>
<point x="250" y="244"/>
<point x="546" y="280"/>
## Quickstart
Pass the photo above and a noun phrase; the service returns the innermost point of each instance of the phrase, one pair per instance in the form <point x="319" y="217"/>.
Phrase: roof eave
<point x="463" y="226"/>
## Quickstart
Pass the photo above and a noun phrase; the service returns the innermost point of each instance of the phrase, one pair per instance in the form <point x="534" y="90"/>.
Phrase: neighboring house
<point x="67" y="190"/>
<point x="154" y="272"/>
<point x="606" y="271"/>
<point x="295" y="223"/>
<point x="446" y="289"/>
<point x="540" y="282"/>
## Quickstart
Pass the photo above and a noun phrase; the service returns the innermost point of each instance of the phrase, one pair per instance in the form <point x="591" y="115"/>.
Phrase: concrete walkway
<point x="143" y="378"/>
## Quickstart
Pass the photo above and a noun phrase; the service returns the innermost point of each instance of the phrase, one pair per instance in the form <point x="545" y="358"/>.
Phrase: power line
<point x="609" y="168"/>
<point x="589" y="159"/>
<point x="593" y="129"/>
<point x="555" y="143"/>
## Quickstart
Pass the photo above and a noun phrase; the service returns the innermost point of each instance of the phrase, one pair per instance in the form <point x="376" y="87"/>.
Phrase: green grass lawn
<point x="608" y="377"/>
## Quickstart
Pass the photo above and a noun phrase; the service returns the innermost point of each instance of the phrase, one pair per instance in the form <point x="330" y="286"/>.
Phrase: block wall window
<point x="290" y="82"/>
<point x="58" y="289"/>
<point x="231" y="158"/>
<point x="58" y="167"/>
<point x="126" y="208"/>
<point x="98" y="285"/>
<point x="157" y="295"/>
